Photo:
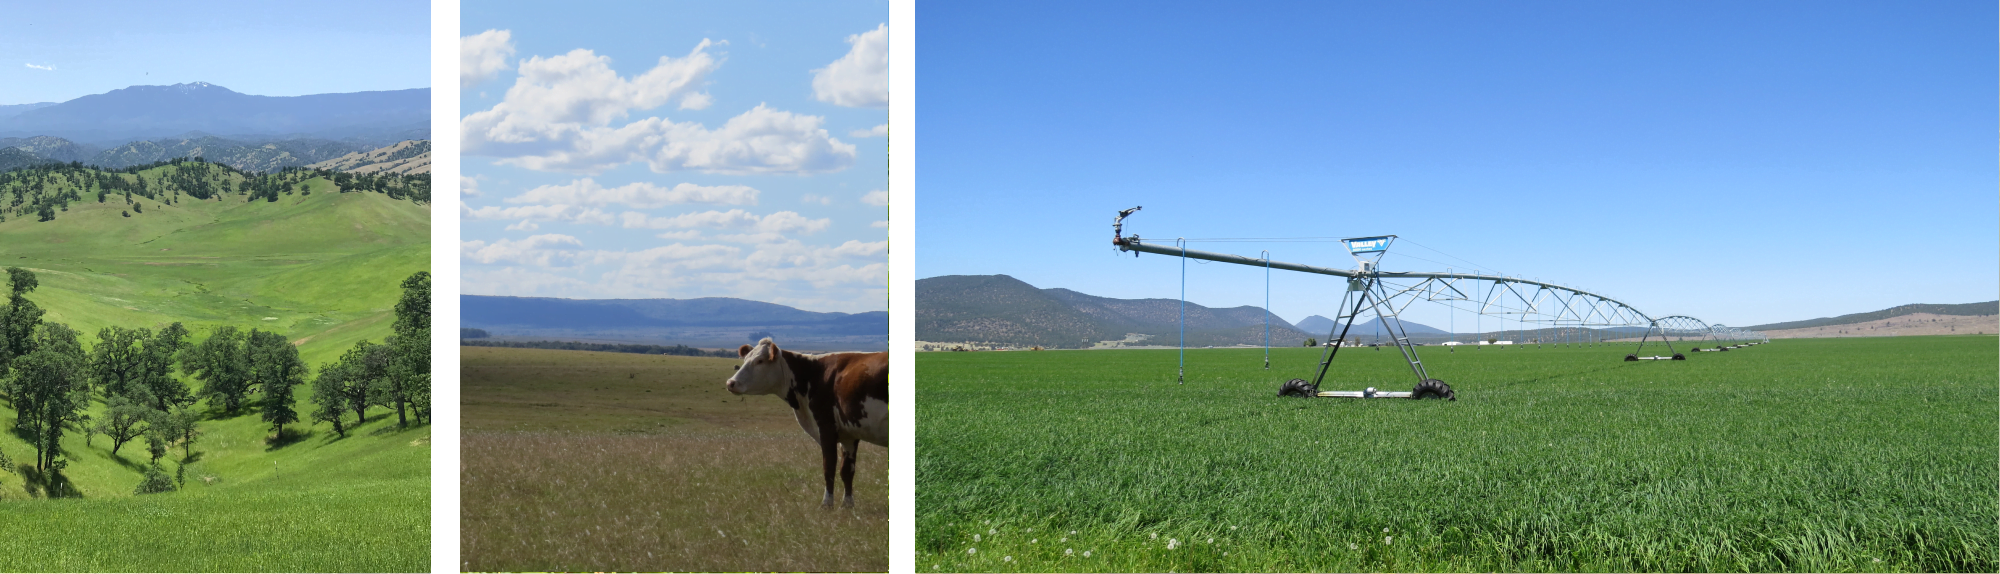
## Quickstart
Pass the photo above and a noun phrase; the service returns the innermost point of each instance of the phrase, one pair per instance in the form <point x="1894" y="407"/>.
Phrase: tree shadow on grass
<point x="47" y="485"/>
<point x="286" y="437"/>
<point x="393" y="429"/>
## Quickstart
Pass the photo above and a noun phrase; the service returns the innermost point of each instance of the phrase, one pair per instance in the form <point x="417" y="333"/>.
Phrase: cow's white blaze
<point x="763" y="372"/>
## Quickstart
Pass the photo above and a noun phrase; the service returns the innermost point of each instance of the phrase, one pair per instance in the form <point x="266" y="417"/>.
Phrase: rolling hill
<point x="1961" y="309"/>
<point x="320" y="265"/>
<point x="409" y="156"/>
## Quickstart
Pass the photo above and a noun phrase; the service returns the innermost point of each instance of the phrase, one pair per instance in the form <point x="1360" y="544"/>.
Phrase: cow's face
<point x="763" y="371"/>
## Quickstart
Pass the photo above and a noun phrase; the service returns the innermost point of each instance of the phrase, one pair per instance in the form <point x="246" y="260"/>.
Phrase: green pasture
<point x="577" y="461"/>
<point x="324" y="270"/>
<point x="1872" y="455"/>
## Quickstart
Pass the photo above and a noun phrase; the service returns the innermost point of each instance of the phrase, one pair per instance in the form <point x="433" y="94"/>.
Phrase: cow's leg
<point x="828" y="450"/>
<point x="847" y="469"/>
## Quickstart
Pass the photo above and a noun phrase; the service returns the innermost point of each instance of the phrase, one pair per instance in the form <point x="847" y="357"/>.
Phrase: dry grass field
<point x="586" y="461"/>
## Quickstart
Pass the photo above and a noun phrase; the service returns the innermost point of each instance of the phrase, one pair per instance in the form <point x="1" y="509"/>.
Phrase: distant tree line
<point x="51" y="381"/>
<point x="471" y="333"/>
<point x="680" y="350"/>
<point x="45" y="190"/>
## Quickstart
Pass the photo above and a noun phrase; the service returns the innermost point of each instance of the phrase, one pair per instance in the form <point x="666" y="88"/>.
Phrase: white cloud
<point x="816" y="198"/>
<point x="524" y="225"/>
<point x="877" y="131"/>
<point x="569" y="213"/>
<point x="517" y="282"/>
<point x="696" y="101"/>
<point x="642" y="195"/>
<point x="541" y="250"/>
<point x="780" y="222"/>
<point x="559" y="116"/>
<point x="49" y="68"/>
<point x="859" y="79"/>
<point x="482" y="56"/>
<point x="468" y="186"/>
<point x="680" y="235"/>
<point x="880" y="224"/>
<point x="876" y="198"/>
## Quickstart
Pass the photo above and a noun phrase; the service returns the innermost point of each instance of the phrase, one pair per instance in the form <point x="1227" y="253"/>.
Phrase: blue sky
<point x="58" y="51"/>
<point x="676" y="150"/>
<point x="1741" y="162"/>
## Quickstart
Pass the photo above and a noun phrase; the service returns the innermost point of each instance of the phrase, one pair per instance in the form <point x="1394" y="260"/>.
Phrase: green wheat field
<point x="1816" y="455"/>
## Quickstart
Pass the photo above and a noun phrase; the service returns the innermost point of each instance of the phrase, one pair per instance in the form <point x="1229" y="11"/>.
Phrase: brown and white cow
<point x="839" y="398"/>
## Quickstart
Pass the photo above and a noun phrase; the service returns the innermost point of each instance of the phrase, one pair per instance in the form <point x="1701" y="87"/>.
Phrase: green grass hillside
<point x="321" y="268"/>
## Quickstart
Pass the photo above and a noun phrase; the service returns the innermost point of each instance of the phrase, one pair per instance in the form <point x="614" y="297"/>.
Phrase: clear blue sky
<point x="787" y="180"/>
<point x="260" y="48"/>
<point x="1741" y="162"/>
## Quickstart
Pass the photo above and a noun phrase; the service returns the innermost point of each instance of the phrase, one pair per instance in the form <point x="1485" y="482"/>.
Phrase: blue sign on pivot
<point x="1368" y="245"/>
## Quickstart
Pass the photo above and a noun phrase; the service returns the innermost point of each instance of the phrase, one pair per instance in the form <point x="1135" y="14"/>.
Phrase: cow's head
<point x="763" y="371"/>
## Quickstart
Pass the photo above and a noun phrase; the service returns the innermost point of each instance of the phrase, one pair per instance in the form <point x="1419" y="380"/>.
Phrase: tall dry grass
<point x="695" y="501"/>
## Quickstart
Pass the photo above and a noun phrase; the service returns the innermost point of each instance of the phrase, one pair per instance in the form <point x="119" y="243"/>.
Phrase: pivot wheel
<point x="1298" y="388"/>
<point x="1433" y="389"/>
<point x="1632" y="357"/>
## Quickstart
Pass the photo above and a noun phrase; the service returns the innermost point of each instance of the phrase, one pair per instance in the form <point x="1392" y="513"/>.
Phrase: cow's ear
<point x="743" y="351"/>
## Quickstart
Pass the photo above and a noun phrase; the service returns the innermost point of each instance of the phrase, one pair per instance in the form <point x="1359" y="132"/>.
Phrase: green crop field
<point x="1815" y="455"/>
<point x="323" y="269"/>
<point x="594" y="461"/>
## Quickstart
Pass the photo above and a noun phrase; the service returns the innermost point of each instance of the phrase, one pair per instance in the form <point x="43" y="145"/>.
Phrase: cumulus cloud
<point x="642" y="195"/>
<point x="542" y="250"/>
<point x="880" y="224"/>
<point x="859" y="79"/>
<point x="519" y="282"/>
<point x="559" y="116"/>
<point x="877" y="131"/>
<point x="780" y="222"/>
<point x="876" y="198"/>
<point x="484" y="55"/>
<point x="561" y="212"/>
<point x="468" y="186"/>
<point x="524" y="225"/>
<point x="49" y="68"/>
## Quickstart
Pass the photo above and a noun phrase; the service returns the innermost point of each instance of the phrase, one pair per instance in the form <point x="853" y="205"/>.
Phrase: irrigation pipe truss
<point x="1567" y="313"/>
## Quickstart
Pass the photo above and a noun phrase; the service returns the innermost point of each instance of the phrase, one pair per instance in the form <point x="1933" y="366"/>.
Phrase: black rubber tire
<point x="1722" y="348"/>
<point x="1632" y="357"/>
<point x="1433" y="389"/>
<point x="1298" y="388"/>
<point x="1680" y="357"/>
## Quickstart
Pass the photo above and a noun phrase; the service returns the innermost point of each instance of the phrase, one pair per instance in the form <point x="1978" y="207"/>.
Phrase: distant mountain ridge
<point x="149" y="112"/>
<point x="237" y="154"/>
<point x="1986" y="308"/>
<point x="707" y="321"/>
<point x="999" y="309"/>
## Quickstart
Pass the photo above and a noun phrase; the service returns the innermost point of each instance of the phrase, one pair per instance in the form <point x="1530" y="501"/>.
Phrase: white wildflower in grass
<point x="975" y="537"/>
<point x="1086" y="554"/>
<point x="991" y="531"/>
<point x="972" y="551"/>
<point x="1072" y="533"/>
<point x="1152" y="536"/>
<point x="1385" y="531"/>
<point x="1351" y="546"/>
<point x="1211" y="541"/>
<point x="1388" y="539"/>
<point x="1034" y="540"/>
<point x="1232" y="528"/>
<point x="1171" y="543"/>
<point x="1878" y="560"/>
<point x="1006" y="558"/>
<point x="1069" y="551"/>
<point x="1065" y="539"/>
<point x="1031" y="530"/>
<point x="934" y="566"/>
<point x="988" y="521"/>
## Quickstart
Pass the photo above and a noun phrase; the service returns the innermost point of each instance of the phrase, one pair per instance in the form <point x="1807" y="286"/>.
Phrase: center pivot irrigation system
<point x="1561" y="314"/>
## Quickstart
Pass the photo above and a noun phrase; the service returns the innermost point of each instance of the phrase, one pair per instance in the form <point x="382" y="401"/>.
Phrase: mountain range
<point x="136" y="113"/>
<point x="705" y="322"/>
<point x="999" y="309"/>
<point x="140" y="125"/>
